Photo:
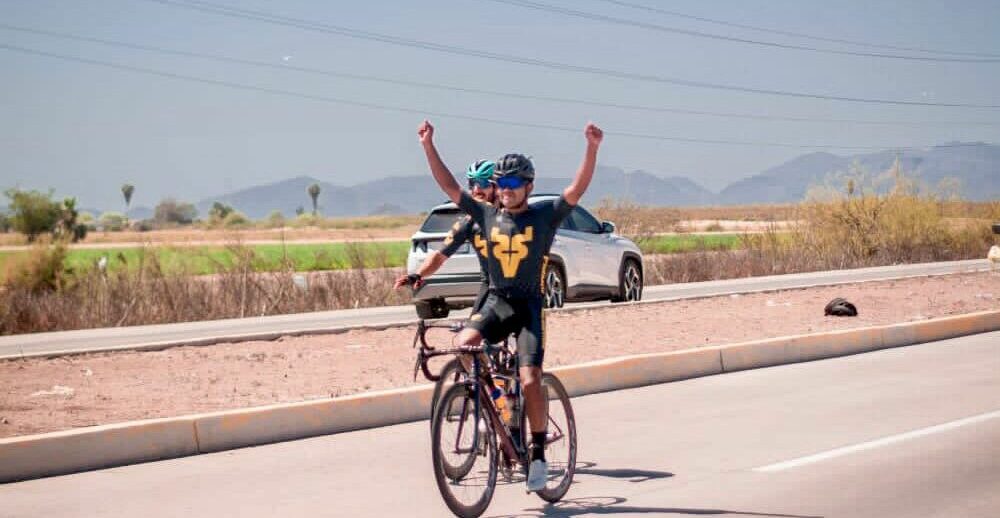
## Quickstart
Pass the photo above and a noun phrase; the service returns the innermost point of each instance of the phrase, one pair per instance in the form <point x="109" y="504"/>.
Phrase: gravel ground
<point x="43" y="395"/>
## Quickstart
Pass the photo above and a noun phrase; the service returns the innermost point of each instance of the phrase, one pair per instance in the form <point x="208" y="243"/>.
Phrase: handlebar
<point x="426" y="351"/>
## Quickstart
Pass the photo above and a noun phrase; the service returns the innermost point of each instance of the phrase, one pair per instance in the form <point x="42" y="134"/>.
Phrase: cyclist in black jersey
<point x="519" y="237"/>
<point x="483" y="189"/>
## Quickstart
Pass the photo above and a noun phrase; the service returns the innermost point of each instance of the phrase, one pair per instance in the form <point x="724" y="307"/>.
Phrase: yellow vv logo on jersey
<point x="481" y="245"/>
<point x="510" y="250"/>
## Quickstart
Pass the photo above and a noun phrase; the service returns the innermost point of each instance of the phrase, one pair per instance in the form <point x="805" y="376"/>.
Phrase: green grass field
<point x="680" y="243"/>
<point x="212" y="259"/>
<point x="308" y="257"/>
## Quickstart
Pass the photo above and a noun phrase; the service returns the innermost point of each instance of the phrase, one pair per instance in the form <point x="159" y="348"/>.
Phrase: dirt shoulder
<point x="43" y="395"/>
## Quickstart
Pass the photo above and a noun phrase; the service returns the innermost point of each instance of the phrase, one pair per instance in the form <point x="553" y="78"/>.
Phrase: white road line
<point x="801" y="461"/>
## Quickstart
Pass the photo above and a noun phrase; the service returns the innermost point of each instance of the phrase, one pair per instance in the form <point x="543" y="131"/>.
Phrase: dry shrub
<point x="767" y="253"/>
<point x="761" y="212"/>
<point x="953" y="208"/>
<point x="147" y="293"/>
<point x="42" y="269"/>
<point x="635" y="221"/>
<point x="905" y="224"/>
<point x="638" y="221"/>
<point x="836" y="230"/>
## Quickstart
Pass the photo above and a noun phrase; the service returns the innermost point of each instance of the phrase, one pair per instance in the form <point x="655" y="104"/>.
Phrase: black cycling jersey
<point x="467" y="230"/>
<point x="464" y="230"/>
<point x="518" y="243"/>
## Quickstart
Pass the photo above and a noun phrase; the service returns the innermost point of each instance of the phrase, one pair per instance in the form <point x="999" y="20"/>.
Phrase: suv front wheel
<point x="555" y="286"/>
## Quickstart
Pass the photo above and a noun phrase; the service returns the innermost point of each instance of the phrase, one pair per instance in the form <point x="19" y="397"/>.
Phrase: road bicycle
<point x="473" y="441"/>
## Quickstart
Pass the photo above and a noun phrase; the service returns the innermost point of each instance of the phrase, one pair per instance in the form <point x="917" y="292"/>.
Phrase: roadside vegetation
<point x="43" y="292"/>
<point x="208" y="260"/>
<point x="853" y="222"/>
<point x="303" y="257"/>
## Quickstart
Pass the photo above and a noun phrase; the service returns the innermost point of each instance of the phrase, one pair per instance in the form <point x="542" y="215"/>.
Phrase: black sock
<point x="538" y="445"/>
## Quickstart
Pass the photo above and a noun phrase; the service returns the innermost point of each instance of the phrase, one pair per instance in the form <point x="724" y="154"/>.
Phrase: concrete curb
<point x="99" y="447"/>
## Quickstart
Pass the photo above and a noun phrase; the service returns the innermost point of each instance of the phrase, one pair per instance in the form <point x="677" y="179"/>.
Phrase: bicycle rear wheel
<point x="464" y="453"/>
<point x="560" y="450"/>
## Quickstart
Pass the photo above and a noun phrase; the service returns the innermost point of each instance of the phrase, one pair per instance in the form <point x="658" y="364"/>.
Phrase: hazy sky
<point x="84" y="128"/>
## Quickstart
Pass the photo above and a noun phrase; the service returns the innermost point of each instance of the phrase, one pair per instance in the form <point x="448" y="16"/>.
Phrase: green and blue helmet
<point x="481" y="173"/>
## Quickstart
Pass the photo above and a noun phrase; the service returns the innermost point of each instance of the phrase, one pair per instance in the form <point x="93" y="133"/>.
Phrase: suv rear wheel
<point x="434" y="308"/>
<point x="629" y="282"/>
<point x="555" y="286"/>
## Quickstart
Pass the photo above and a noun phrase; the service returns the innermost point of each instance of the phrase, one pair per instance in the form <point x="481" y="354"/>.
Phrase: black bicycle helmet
<point x="515" y="164"/>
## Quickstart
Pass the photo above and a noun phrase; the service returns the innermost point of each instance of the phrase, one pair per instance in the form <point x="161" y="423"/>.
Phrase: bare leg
<point x="467" y="336"/>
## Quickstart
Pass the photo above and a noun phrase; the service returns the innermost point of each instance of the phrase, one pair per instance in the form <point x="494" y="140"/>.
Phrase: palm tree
<point x="127" y="190"/>
<point x="314" y="194"/>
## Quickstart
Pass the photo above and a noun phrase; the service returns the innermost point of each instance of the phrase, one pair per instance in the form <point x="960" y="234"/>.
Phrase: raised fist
<point x="593" y="133"/>
<point x="425" y="131"/>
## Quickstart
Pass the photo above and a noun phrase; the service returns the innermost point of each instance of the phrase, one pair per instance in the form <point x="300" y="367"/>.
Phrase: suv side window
<point x="567" y="224"/>
<point x="440" y="220"/>
<point x="584" y="222"/>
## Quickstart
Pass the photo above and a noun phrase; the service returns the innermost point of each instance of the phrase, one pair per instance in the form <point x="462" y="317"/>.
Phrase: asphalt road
<point x="273" y="326"/>
<point x="907" y="432"/>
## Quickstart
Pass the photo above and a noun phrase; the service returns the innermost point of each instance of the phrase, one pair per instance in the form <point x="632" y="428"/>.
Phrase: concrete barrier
<point x="800" y="348"/>
<point x="96" y="447"/>
<point x="637" y="371"/>
<point x="261" y="425"/>
<point x="141" y="441"/>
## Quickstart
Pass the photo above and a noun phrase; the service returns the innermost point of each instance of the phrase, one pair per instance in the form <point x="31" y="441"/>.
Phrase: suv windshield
<point x="440" y="221"/>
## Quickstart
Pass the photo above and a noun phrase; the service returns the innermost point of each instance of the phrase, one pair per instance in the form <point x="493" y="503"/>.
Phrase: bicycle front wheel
<point x="450" y="374"/>
<point x="560" y="443"/>
<point x="464" y="453"/>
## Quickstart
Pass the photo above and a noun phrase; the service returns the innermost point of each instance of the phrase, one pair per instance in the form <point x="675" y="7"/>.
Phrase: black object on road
<point x="840" y="307"/>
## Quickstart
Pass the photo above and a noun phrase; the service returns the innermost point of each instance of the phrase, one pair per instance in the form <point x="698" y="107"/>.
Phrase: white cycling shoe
<point x="538" y="473"/>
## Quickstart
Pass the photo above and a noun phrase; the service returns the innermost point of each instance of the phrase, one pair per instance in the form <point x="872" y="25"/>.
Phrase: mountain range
<point x="976" y="167"/>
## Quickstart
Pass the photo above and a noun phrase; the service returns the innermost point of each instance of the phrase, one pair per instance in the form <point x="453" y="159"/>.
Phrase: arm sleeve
<point x="460" y="232"/>
<point x="475" y="209"/>
<point x="560" y="210"/>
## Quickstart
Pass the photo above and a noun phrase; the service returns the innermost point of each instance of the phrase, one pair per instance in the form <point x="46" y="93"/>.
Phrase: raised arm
<point x="440" y="171"/>
<point x="581" y="181"/>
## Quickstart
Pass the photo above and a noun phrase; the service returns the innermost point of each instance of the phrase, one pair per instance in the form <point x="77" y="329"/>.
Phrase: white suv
<point x="588" y="261"/>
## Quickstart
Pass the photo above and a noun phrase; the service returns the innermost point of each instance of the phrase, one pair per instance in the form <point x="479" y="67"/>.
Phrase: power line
<point x="663" y="28"/>
<point x="425" y="113"/>
<point x="795" y="34"/>
<point x="479" y="91"/>
<point x="394" y="40"/>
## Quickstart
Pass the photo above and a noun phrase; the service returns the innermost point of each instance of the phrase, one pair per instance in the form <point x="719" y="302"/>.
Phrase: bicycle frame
<point x="483" y="403"/>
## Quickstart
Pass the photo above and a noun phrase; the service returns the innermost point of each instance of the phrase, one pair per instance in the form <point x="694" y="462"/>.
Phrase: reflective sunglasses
<point x="482" y="183"/>
<point x="510" y="182"/>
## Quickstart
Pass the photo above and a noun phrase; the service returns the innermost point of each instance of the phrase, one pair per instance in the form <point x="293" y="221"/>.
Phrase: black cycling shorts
<point x="523" y="317"/>
<point x="484" y="292"/>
